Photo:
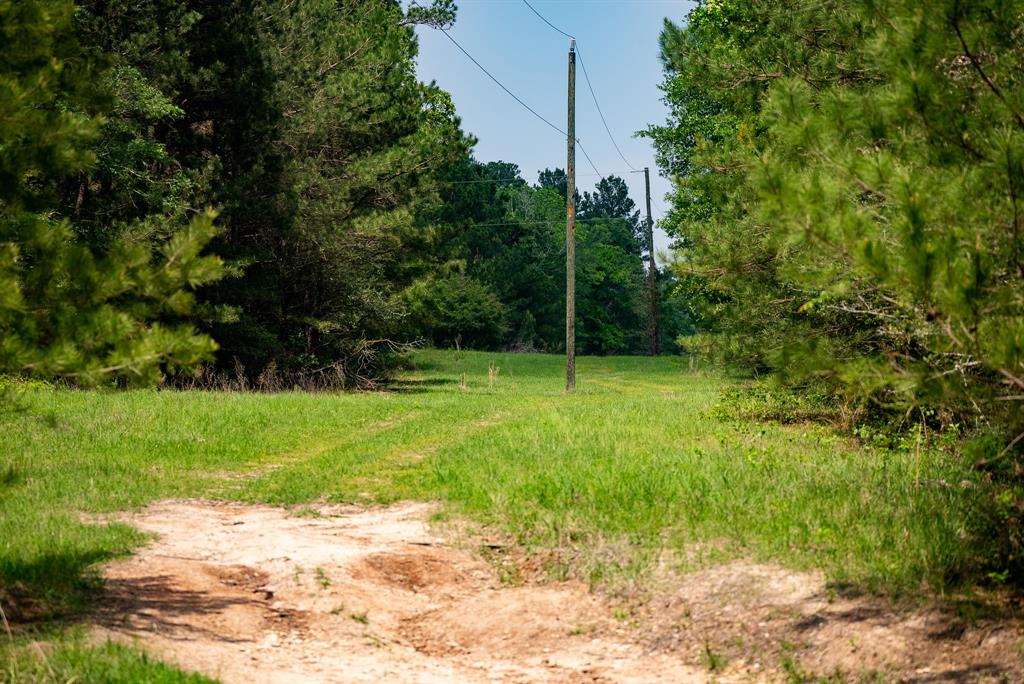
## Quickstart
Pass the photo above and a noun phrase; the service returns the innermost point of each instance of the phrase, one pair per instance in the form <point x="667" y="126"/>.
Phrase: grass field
<point x="633" y="464"/>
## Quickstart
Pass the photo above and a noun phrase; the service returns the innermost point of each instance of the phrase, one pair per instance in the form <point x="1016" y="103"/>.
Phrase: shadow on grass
<point x="55" y="576"/>
<point x="62" y="590"/>
<point x="410" y="386"/>
<point x="9" y="477"/>
<point x="55" y="586"/>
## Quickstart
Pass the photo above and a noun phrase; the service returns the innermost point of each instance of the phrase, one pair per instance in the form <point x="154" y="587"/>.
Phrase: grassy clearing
<point x="634" y="463"/>
<point x="634" y="458"/>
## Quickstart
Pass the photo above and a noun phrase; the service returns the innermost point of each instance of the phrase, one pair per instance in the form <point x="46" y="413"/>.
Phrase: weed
<point x="505" y="566"/>
<point x="361" y="618"/>
<point x="713" y="661"/>
<point x="766" y="401"/>
<point x="794" y="673"/>
<point x="870" y="677"/>
<point x="509" y="574"/>
<point x="321" y="578"/>
<point x="581" y="629"/>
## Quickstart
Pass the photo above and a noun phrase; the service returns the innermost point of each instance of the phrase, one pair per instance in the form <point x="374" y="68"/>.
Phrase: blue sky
<point x="618" y="41"/>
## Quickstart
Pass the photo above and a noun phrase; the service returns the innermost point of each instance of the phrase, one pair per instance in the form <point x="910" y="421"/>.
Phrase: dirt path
<point x="250" y="594"/>
<point x="256" y="594"/>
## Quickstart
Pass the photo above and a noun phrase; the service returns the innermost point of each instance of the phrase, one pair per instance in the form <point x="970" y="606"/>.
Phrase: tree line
<point x="848" y="206"/>
<point x="265" y="186"/>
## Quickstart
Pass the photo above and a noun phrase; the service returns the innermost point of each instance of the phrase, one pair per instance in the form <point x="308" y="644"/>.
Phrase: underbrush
<point x="365" y="365"/>
<point x="978" y="465"/>
<point x="766" y="401"/>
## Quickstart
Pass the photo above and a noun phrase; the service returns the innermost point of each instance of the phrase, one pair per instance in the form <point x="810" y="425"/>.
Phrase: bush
<point x="456" y="311"/>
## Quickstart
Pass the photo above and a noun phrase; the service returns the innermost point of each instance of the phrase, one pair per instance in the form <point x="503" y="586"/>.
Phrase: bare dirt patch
<point x="258" y="594"/>
<point x="253" y="594"/>
<point x="750" y="617"/>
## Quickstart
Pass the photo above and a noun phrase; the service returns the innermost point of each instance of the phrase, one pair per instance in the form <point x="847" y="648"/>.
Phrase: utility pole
<point x="652" y="274"/>
<point x="570" y="229"/>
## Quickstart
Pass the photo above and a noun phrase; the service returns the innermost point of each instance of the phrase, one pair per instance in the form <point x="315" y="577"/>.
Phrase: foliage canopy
<point x="848" y="195"/>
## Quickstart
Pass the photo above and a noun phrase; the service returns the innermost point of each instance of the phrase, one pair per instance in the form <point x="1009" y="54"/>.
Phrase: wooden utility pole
<point x="570" y="229"/>
<point x="652" y="274"/>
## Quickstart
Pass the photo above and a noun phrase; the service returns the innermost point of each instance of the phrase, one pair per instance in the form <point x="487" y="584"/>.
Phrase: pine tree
<point x="848" y="195"/>
<point x="67" y="309"/>
<point x="904" y="202"/>
<point x="328" y="146"/>
<point x="510" y="238"/>
<point x="848" y="203"/>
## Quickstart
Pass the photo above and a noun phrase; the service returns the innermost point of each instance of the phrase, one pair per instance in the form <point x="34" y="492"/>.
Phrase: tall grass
<point x="633" y="464"/>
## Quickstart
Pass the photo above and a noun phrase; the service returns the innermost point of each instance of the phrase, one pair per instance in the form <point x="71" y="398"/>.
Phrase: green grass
<point x="634" y="463"/>
<point x="72" y="660"/>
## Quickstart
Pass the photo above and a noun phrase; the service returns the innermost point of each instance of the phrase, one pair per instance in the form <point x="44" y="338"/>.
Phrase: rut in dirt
<point x="251" y="594"/>
<point x="257" y="594"/>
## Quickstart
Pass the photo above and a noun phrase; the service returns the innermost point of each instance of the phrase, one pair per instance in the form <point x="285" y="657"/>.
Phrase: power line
<point x="485" y="180"/>
<point x="558" y="221"/>
<point x="517" y="99"/>
<point x="541" y="17"/>
<point x="513" y="223"/>
<point x="607" y="130"/>
<point x="589" y="160"/>
<point x="500" y="85"/>
<point x="590" y="86"/>
<point x="658" y="207"/>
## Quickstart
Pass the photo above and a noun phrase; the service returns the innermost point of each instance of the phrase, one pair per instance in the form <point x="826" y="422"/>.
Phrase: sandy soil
<point x="252" y="594"/>
<point x="754" y="616"/>
<point x="259" y="594"/>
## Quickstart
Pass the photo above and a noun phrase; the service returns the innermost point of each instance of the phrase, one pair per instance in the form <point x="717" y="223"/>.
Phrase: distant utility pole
<point x="652" y="274"/>
<point x="570" y="229"/>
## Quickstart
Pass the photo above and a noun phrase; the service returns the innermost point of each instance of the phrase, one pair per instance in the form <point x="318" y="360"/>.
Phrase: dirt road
<point x="257" y="594"/>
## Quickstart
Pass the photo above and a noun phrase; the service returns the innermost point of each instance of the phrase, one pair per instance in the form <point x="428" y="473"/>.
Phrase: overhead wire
<point x="500" y="84"/>
<point x="589" y="160"/>
<point x="517" y="99"/>
<point x="541" y="17"/>
<point x="660" y="209"/>
<point x="590" y="85"/>
<point x="485" y="180"/>
<point x="533" y="223"/>
<point x="607" y="130"/>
